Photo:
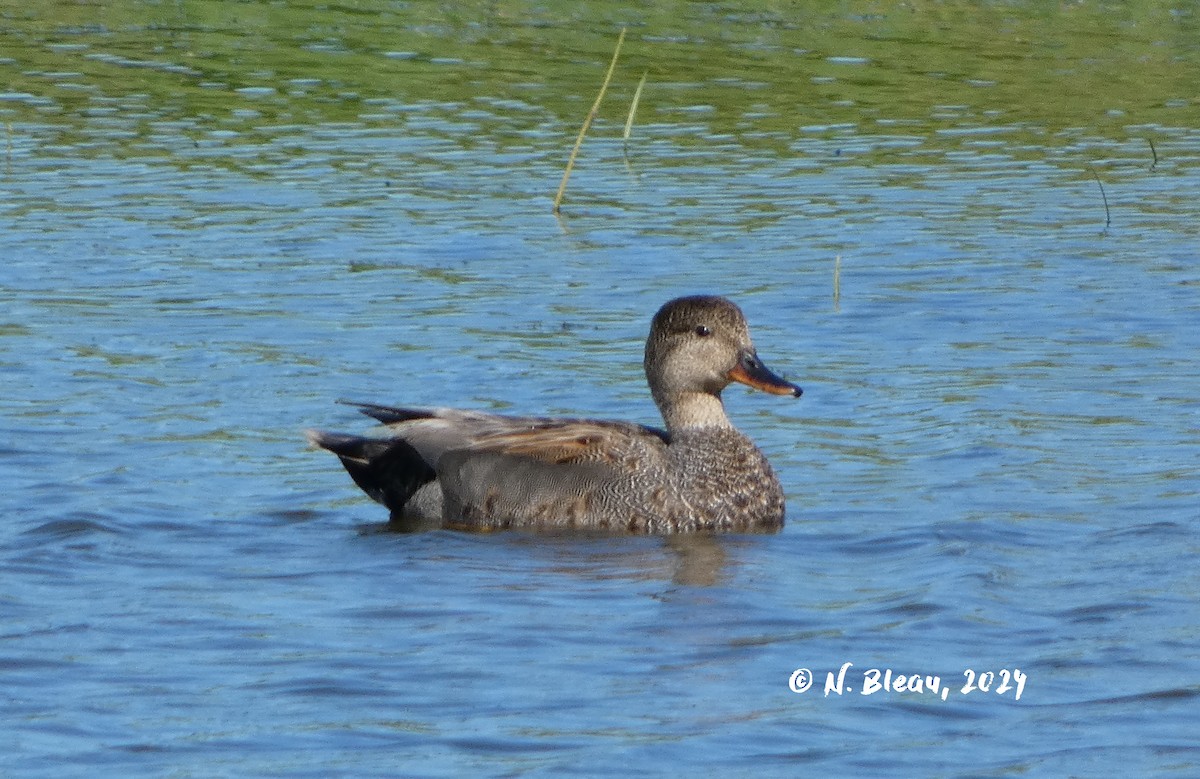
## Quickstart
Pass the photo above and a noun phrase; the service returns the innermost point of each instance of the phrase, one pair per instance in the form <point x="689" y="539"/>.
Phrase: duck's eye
<point x="703" y="331"/>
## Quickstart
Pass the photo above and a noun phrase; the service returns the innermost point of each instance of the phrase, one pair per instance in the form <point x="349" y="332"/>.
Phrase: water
<point x="994" y="466"/>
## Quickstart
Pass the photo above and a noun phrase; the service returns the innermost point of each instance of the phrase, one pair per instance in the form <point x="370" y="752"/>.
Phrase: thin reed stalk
<point x="562" y="187"/>
<point x="837" y="283"/>
<point x="637" y="96"/>
<point x="1107" y="214"/>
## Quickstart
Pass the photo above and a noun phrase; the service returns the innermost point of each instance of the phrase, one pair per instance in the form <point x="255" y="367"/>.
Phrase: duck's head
<point x="698" y="345"/>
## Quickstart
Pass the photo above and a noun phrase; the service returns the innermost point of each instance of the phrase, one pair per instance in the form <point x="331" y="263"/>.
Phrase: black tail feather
<point x="387" y="414"/>
<point x="389" y="470"/>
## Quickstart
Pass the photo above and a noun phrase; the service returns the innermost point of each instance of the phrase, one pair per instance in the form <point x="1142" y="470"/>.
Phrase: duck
<point x="478" y="471"/>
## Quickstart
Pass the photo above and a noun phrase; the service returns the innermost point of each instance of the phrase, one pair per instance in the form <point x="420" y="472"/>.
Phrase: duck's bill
<point x="751" y="372"/>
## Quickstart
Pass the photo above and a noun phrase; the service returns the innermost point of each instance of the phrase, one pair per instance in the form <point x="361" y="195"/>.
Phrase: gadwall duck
<point x="472" y="470"/>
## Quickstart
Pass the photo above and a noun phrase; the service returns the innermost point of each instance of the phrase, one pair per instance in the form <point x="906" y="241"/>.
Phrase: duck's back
<point x="556" y="474"/>
<point x="612" y="477"/>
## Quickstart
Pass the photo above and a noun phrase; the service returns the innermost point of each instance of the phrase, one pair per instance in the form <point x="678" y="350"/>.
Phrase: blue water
<point x="993" y="467"/>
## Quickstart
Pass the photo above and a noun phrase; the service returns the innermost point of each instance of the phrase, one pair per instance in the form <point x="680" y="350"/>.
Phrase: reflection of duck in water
<point x="478" y="471"/>
<point x="691" y="559"/>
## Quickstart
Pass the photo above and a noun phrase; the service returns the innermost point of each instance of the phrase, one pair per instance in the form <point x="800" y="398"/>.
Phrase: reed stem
<point x="837" y="282"/>
<point x="587" y="122"/>
<point x="637" y="96"/>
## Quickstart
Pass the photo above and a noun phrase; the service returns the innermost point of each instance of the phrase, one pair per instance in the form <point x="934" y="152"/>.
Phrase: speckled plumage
<point x="472" y="470"/>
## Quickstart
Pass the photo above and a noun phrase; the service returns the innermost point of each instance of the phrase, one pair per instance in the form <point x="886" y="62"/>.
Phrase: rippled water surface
<point x="218" y="219"/>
